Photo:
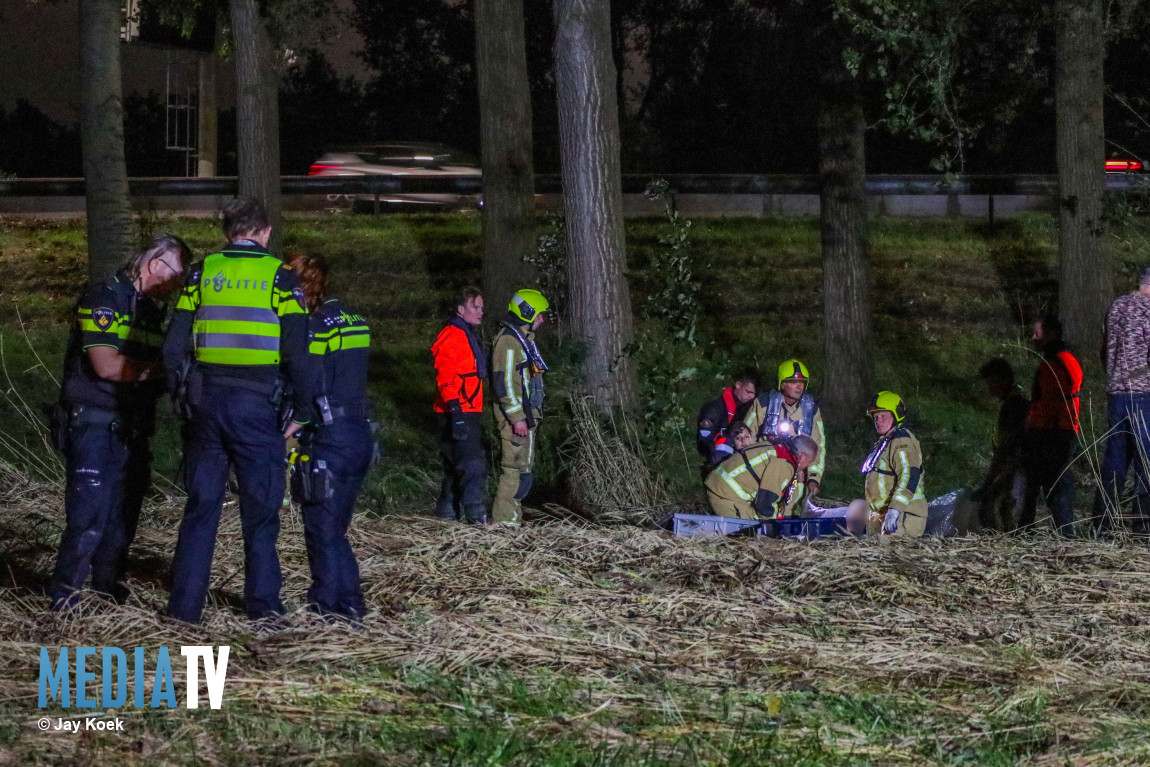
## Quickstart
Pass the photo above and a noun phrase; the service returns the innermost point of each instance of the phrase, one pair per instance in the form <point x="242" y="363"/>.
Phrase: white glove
<point x="890" y="522"/>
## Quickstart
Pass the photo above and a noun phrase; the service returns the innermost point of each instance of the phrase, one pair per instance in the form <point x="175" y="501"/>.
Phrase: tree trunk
<point x="109" y="212"/>
<point x="207" y="128"/>
<point x="846" y="308"/>
<point x="257" y="112"/>
<point x="593" y="198"/>
<point x="505" y="138"/>
<point x="1084" y="286"/>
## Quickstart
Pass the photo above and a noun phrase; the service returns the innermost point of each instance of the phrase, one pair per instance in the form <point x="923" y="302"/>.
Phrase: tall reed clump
<point x="610" y="476"/>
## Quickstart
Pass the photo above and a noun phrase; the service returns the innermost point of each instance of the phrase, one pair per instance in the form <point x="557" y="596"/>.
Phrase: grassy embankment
<point x="946" y="297"/>
<point x="569" y="644"/>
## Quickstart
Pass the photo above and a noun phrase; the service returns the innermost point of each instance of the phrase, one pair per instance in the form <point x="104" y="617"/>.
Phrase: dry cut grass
<point x="1033" y="648"/>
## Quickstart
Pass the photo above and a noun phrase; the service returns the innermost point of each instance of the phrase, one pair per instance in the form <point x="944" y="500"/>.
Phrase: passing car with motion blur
<point x="397" y="159"/>
<point x="1119" y="165"/>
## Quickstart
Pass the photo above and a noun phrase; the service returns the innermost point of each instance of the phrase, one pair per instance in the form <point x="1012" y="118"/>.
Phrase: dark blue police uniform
<point x="106" y="453"/>
<point x="245" y="310"/>
<point x="339" y="445"/>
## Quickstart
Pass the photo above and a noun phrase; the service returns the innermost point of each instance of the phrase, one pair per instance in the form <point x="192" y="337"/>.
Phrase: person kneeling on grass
<point x="893" y="472"/>
<point x="760" y="480"/>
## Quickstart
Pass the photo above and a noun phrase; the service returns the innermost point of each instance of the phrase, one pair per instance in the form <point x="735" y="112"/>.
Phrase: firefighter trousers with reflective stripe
<point x="909" y="525"/>
<point x="516" y="461"/>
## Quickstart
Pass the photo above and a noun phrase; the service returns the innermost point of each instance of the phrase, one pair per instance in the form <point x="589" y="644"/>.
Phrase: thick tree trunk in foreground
<point x="505" y="137"/>
<point x="846" y="309"/>
<point x="257" y="112"/>
<point x="109" y="212"/>
<point x="1083" y="277"/>
<point x="593" y="198"/>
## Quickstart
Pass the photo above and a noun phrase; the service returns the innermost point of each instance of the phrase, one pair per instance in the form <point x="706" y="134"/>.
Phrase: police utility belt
<point x="330" y="412"/>
<point x="311" y="481"/>
<point x="191" y="380"/>
<point x="63" y="416"/>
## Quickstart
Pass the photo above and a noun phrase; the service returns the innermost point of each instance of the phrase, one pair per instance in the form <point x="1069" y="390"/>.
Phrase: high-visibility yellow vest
<point x="237" y="310"/>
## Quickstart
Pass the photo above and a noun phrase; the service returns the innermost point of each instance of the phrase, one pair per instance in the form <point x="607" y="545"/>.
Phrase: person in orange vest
<point x="1051" y="428"/>
<point x="460" y="367"/>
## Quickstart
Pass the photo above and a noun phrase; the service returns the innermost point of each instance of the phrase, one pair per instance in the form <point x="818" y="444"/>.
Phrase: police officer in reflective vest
<point x="245" y="312"/>
<point x="517" y="376"/>
<point x="460" y="367"/>
<point x="782" y="413"/>
<point x="336" y="448"/>
<point x="112" y="377"/>
<point x="892" y="472"/>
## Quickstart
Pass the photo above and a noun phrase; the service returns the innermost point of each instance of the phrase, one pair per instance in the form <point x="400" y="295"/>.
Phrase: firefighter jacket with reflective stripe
<point x="339" y="340"/>
<point x="460" y="368"/>
<point x="760" y="481"/>
<point x="518" y="385"/>
<point x="244" y="310"/>
<point x="771" y="418"/>
<point x="893" y="475"/>
<point x="113" y="313"/>
<point x="1054" y="399"/>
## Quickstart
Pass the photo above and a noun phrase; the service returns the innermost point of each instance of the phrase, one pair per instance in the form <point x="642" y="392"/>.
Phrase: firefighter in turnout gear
<point x="762" y="480"/>
<point x="460" y="367"/>
<point x="517" y="376"/>
<point x="336" y="448"/>
<point x="106" y="414"/>
<point x="790" y="410"/>
<point x="893" y="472"/>
<point x="244" y="312"/>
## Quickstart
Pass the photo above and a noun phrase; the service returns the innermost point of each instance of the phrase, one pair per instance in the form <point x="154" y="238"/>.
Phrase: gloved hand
<point x="458" y="423"/>
<point x="890" y="522"/>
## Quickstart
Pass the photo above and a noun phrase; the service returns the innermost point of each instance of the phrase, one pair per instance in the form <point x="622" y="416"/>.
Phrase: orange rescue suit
<point x="457" y="375"/>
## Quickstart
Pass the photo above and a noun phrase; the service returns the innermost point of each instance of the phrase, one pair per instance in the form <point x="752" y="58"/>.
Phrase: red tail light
<point x="318" y="168"/>
<point x="1123" y="165"/>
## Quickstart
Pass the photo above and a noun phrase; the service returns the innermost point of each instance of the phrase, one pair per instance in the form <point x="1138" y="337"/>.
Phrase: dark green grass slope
<point x="946" y="295"/>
